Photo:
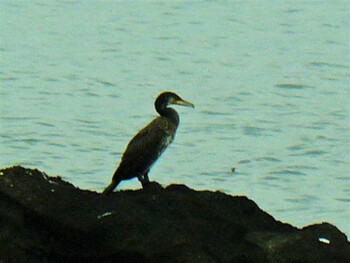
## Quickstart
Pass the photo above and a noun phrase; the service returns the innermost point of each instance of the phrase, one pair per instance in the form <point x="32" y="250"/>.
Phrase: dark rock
<point x="45" y="219"/>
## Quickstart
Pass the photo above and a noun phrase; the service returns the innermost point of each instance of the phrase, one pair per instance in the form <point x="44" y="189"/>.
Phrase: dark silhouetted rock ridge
<point x="45" y="219"/>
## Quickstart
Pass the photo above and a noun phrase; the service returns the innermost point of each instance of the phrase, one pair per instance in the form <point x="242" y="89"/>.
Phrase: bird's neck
<point x="169" y="113"/>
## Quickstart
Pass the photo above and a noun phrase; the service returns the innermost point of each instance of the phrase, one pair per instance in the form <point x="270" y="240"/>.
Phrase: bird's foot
<point x="152" y="186"/>
<point x="145" y="183"/>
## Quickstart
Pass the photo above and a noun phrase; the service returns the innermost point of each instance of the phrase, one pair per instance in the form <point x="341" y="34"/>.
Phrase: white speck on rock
<point x="324" y="240"/>
<point x="51" y="181"/>
<point x="104" y="215"/>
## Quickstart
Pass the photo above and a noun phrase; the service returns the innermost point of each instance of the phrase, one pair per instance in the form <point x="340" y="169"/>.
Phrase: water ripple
<point x="46" y="124"/>
<point x="345" y="200"/>
<point x="296" y="147"/>
<point x="328" y="65"/>
<point x="292" y="86"/>
<point x="103" y="82"/>
<point x="293" y="10"/>
<point x="268" y="159"/>
<point x="287" y="172"/>
<point x="254" y="131"/>
<point x="314" y="152"/>
<point x="31" y="141"/>
<point x="56" y="144"/>
<point x="303" y="199"/>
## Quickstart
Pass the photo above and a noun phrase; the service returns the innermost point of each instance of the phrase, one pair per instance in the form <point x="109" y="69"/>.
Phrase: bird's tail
<point x="115" y="181"/>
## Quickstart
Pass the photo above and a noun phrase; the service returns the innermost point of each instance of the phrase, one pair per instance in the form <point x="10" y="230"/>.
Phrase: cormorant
<point x="149" y="143"/>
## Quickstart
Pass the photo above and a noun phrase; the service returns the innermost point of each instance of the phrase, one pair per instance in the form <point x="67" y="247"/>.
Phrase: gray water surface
<point x="270" y="81"/>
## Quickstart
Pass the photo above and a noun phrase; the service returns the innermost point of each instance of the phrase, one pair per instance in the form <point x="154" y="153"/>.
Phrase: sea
<point x="270" y="81"/>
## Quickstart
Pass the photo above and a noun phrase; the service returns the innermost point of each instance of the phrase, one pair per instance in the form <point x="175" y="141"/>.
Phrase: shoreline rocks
<point x="45" y="219"/>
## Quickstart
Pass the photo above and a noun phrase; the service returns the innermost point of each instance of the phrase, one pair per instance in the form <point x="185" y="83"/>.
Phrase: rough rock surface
<point x="45" y="219"/>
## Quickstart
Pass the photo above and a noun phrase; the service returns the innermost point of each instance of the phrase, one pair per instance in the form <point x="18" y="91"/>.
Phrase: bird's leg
<point x="144" y="179"/>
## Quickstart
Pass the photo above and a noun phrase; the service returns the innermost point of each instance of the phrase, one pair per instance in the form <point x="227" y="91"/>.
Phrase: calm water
<point x="270" y="81"/>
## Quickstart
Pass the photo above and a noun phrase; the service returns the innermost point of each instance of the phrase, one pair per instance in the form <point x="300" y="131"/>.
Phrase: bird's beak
<point x="183" y="103"/>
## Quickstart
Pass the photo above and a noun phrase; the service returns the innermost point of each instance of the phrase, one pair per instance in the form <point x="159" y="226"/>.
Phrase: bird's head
<point x="167" y="98"/>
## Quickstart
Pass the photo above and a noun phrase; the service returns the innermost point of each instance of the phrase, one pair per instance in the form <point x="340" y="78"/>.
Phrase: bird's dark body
<point x="145" y="148"/>
<point x="149" y="143"/>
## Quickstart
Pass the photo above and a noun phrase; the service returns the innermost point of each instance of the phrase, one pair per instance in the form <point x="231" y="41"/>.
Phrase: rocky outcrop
<point x="45" y="219"/>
